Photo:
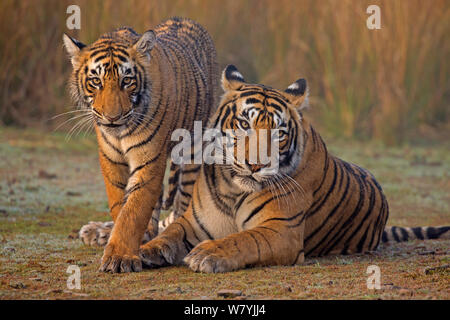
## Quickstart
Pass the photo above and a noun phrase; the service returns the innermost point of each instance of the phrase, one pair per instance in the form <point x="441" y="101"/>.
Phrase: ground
<point x="50" y="187"/>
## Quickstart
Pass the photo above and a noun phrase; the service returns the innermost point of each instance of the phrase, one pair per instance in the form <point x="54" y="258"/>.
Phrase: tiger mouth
<point x="112" y="125"/>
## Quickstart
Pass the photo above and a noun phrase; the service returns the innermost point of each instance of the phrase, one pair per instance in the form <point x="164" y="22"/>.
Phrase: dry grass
<point x="40" y="214"/>
<point x="389" y="84"/>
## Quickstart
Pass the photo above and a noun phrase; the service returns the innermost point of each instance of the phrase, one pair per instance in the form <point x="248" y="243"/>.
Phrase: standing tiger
<point x="140" y="88"/>
<point x="244" y="214"/>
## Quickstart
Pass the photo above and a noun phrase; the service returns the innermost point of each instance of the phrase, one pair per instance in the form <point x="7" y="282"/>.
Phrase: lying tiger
<point x="247" y="214"/>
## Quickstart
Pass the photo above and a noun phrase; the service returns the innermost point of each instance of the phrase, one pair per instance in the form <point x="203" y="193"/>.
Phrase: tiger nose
<point x="257" y="167"/>
<point x="112" y="119"/>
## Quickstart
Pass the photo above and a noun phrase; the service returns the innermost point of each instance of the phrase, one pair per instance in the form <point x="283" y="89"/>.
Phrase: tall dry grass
<point x="384" y="84"/>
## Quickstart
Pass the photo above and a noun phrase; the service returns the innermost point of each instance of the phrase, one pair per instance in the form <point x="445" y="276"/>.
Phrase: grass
<point x="50" y="187"/>
<point x="390" y="84"/>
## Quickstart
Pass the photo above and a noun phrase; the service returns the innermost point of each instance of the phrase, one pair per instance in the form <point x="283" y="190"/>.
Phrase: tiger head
<point x="249" y="109"/>
<point x="109" y="76"/>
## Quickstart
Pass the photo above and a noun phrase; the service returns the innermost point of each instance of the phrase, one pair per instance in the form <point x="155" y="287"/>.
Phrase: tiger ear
<point x="232" y="79"/>
<point x="297" y="94"/>
<point x="146" y="42"/>
<point x="73" y="47"/>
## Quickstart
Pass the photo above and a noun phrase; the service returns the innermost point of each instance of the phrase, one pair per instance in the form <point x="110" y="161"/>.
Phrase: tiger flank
<point x="139" y="89"/>
<point x="243" y="214"/>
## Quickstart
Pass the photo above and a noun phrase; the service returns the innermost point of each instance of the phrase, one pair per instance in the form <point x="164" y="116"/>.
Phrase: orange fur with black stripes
<point x="244" y="214"/>
<point x="141" y="88"/>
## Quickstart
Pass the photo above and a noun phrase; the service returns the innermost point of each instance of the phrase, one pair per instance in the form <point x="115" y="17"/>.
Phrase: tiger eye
<point x="244" y="124"/>
<point x="96" y="81"/>
<point x="126" y="80"/>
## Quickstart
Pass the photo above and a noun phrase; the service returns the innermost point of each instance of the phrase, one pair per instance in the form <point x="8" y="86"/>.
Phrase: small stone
<point x="288" y="288"/>
<point x="73" y="194"/>
<point x="17" y="285"/>
<point x="226" y="293"/>
<point x="45" y="175"/>
<point x="440" y="269"/>
<point x="427" y="252"/>
<point x="53" y="291"/>
<point x="390" y="286"/>
<point x="79" y="294"/>
<point x="178" y="290"/>
<point x="35" y="279"/>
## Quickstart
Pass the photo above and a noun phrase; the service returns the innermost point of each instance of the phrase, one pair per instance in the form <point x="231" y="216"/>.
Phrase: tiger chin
<point x="245" y="215"/>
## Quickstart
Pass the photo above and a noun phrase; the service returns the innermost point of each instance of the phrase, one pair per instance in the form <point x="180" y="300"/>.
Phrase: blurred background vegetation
<point x="390" y="85"/>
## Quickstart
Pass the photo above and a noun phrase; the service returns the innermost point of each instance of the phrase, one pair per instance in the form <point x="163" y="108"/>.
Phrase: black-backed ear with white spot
<point x="232" y="79"/>
<point x="146" y="43"/>
<point x="297" y="94"/>
<point x="73" y="47"/>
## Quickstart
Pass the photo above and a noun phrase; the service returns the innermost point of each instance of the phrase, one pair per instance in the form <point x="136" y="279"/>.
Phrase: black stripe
<point x="264" y="227"/>
<point x="112" y="161"/>
<point x="193" y="170"/>
<point x="360" y="245"/>
<point x="194" y="213"/>
<point x="331" y="214"/>
<point x="348" y="223"/>
<point x="257" y="244"/>
<point x="116" y="184"/>
<point x="298" y="255"/>
<point x="435" y="233"/>
<point x="418" y="232"/>
<point x="356" y="211"/>
<point x="240" y="201"/>
<point x="394" y="234"/>
<point x="145" y="164"/>
<point x="192" y="228"/>
<point x="404" y="234"/>
<point x="150" y="137"/>
<point x="187" y="182"/>
<point x="384" y="237"/>
<point x="316" y="206"/>
<point x="265" y="239"/>
<point x="284" y="219"/>
<point x="115" y="205"/>
<point x="110" y="144"/>
<point x="256" y="210"/>
<point x="298" y="223"/>
<point x="188" y="245"/>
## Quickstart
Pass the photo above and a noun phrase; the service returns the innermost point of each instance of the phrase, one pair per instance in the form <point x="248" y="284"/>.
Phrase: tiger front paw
<point x="117" y="260"/>
<point x="210" y="257"/>
<point x="96" y="233"/>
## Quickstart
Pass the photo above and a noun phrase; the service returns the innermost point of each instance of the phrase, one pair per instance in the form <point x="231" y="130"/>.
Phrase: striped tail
<point x="400" y="234"/>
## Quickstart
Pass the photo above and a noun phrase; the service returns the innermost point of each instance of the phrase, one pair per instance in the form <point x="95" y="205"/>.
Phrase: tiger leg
<point x="96" y="233"/>
<point x="272" y="243"/>
<point x="173" y="244"/>
<point x="115" y="175"/>
<point x="141" y="197"/>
